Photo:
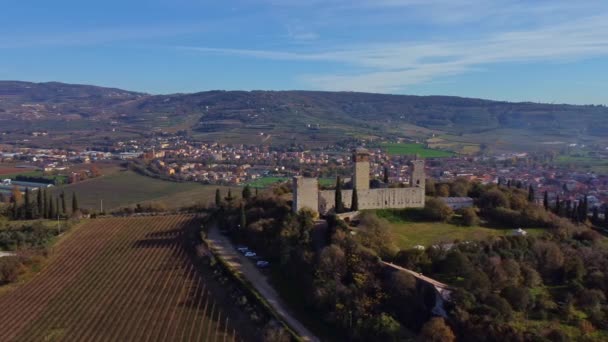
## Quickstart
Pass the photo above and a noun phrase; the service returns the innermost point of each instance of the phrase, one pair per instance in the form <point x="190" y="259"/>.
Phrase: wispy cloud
<point x="391" y="66"/>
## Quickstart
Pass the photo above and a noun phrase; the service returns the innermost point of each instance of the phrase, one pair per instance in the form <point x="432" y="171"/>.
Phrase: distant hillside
<point x="295" y="115"/>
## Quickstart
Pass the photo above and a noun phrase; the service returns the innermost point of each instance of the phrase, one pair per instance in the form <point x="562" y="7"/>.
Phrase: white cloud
<point x="388" y="67"/>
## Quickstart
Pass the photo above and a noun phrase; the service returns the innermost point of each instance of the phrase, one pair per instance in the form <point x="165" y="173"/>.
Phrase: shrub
<point x="436" y="210"/>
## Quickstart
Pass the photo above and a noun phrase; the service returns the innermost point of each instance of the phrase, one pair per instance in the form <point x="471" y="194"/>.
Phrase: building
<point x="306" y="192"/>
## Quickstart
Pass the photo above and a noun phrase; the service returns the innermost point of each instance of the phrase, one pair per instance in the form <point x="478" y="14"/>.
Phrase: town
<point x="176" y="158"/>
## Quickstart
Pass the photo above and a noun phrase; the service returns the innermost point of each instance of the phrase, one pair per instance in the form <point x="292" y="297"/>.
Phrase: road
<point x="224" y="248"/>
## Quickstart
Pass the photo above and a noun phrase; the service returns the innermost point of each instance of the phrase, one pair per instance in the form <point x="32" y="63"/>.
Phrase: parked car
<point x="250" y="254"/>
<point x="262" y="264"/>
<point x="242" y="249"/>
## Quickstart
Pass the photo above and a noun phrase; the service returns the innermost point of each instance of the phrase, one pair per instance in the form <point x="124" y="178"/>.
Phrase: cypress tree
<point x="568" y="208"/>
<point x="606" y="216"/>
<point x="63" y="206"/>
<point x="39" y="203"/>
<point x="26" y="204"/>
<point x="218" y="198"/>
<point x="558" y="206"/>
<point x="530" y="193"/>
<point x="229" y="198"/>
<point x="243" y="217"/>
<point x="247" y="192"/>
<point x="519" y="185"/>
<point x="45" y="204"/>
<point x="51" y="212"/>
<point x="385" y="175"/>
<point x="256" y="192"/>
<point x="546" y="200"/>
<point x="596" y="215"/>
<point x="75" y="207"/>
<point x="338" y="205"/>
<point x="57" y="212"/>
<point x="508" y="183"/>
<point x="355" y="201"/>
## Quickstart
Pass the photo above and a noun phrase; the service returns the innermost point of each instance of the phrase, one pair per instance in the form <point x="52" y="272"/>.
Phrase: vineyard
<point x="117" y="279"/>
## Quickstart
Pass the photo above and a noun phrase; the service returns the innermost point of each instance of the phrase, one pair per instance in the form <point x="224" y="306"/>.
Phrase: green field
<point x="414" y="149"/>
<point x="582" y="161"/>
<point x="125" y="188"/>
<point x="37" y="173"/>
<point x="409" y="234"/>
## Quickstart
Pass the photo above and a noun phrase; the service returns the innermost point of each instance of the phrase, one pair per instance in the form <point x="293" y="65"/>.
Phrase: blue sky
<point x="536" y="50"/>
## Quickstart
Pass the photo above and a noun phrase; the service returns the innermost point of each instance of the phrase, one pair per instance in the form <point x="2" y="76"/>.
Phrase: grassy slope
<point x="126" y="188"/>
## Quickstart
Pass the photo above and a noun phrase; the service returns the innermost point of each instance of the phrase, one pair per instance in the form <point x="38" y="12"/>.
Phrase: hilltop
<point x="294" y="116"/>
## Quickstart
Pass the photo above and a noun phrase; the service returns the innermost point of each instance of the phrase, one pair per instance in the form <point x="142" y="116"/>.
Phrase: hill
<point x="294" y="116"/>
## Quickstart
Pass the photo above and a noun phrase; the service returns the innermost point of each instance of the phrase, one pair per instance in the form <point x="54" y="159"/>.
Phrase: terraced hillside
<point x="118" y="279"/>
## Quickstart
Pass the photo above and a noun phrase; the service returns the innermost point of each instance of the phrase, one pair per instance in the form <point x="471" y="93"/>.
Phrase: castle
<point x="306" y="193"/>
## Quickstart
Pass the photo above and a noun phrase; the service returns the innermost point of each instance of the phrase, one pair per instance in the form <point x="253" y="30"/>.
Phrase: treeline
<point x="29" y="245"/>
<point x="45" y="205"/>
<point x="519" y="288"/>
<point x="337" y="276"/>
<point x="34" y="179"/>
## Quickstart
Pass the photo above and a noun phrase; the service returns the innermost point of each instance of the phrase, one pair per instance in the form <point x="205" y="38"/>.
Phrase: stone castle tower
<point x="417" y="175"/>
<point x="361" y="176"/>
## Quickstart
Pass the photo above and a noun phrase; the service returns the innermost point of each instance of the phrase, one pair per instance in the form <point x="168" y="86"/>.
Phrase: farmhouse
<point x="306" y="192"/>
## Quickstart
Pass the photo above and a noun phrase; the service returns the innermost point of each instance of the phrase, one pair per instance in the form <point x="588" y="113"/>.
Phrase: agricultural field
<point x="583" y="161"/>
<point x="124" y="188"/>
<point x="414" y="149"/>
<point x="453" y="143"/>
<point x="118" y="279"/>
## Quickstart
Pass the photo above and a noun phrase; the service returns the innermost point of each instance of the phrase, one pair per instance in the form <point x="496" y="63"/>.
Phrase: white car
<point x="262" y="264"/>
<point x="250" y="254"/>
<point x="243" y="249"/>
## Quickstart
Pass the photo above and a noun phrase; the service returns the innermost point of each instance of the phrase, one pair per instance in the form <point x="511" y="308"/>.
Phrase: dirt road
<point x="224" y="248"/>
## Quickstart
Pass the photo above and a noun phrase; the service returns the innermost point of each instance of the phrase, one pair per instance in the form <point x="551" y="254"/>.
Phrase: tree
<point x="443" y="190"/>
<point x="385" y="179"/>
<point x="558" y="206"/>
<point x="63" y="206"/>
<point x="229" y="197"/>
<point x="596" y="215"/>
<point x="39" y="203"/>
<point x="57" y="213"/>
<point x="51" y="213"/>
<point x="218" y="198"/>
<point x="75" y="207"/>
<point x="247" y="192"/>
<point x="45" y="204"/>
<point x="26" y="204"/>
<point x="469" y="216"/>
<point x="606" y="216"/>
<point x="546" y="200"/>
<point x="436" y="210"/>
<point x="338" y="205"/>
<point x="355" y="201"/>
<point x="530" y="193"/>
<point x="435" y="330"/>
<point x="518" y="297"/>
<point x="243" y="221"/>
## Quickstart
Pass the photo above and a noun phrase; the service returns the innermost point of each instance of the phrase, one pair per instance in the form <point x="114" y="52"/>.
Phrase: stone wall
<point x="396" y="198"/>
